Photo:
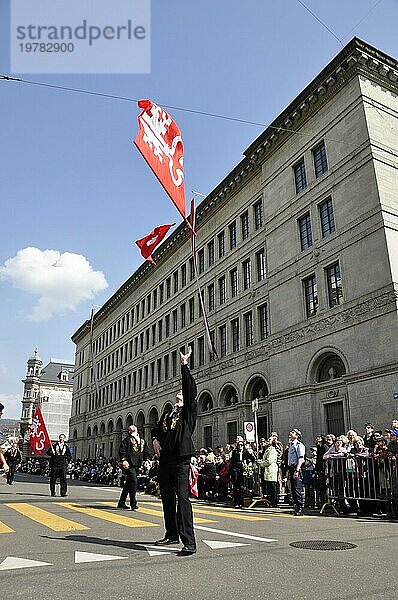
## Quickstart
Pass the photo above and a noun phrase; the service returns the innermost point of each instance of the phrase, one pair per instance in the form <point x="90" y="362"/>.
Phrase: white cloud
<point x="12" y="405"/>
<point x="61" y="281"/>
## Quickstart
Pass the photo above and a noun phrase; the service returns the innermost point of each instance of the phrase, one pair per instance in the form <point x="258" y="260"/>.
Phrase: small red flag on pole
<point x="148" y="243"/>
<point x="39" y="439"/>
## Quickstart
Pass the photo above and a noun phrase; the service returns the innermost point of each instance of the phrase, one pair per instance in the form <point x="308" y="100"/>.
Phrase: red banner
<point x="160" y="143"/>
<point x="39" y="439"/>
<point x="148" y="243"/>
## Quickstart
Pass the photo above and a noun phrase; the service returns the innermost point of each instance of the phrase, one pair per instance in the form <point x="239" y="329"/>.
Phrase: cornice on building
<point x="355" y="58"/>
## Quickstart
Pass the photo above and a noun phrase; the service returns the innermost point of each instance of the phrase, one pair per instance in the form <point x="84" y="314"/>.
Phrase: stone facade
<point x="311" y="330"/>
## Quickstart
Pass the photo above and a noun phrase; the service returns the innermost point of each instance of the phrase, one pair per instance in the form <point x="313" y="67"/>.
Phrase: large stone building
<point x="51" y="387"/>
<point x="298" y="261"/>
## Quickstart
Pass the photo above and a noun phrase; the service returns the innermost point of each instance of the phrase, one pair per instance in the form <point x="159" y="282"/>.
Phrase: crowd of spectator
<point x="238" y="470"/>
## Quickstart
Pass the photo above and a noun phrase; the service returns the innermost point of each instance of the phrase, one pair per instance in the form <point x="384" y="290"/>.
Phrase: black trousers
<point x="129" y="487"/>
<point x="238" y="486"/>
<point x="11" y="473"/>
<point x="55" y="473"/>
<point x="271" y="491"/>
<point x="177" y="509"/>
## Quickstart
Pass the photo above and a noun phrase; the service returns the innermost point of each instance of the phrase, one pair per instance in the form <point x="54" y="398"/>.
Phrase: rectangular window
<point x="201" y="260"/>
<point x="335" y="417"/>
<point x="183" y="275"/>
<point x="260" y="265"/>
<point x="210" y="296"/>
<point x="335" y="288"/>
<point x="152" y="375"/>
<point x="234" y="282"/>
<point x="167" y="326"/>
<point x="191" y="269"/>
<point x="235" y="335"/>
<point x="258" y="215"/>
<point x="191" y="304"/>
<point x="153" y="334"/>
<point x="175" y="321"/>
<point x="263" y="321"/>
<point x="168" y="287"/>
<point x="147" y="339"/>
<point x="320" y="159"/>
<point x="159" y="369"/>
<point x="210" y="253"/>
<point x="232" y="235"/>
<point x="221" y="244"/>
<point x="155" y="299"/>
<point x="247" y="274"/>
<point x="175" y="282"/>
<point x="135" y="346"/>
<point x="244" y="221"/>
<point x="304" y="224"/>
<point x="248" y="319"/>
<point x="222" y="336"/>
<point x="300" y="178"/>
<point x="174" y="363"/>
<point x="310" y="296"/>
<point x="141" y="342"/>
<point x="145" y="377"/>
<point x="161" y="293"/>
<point x="148" y="304"/>
<point x="222" y="290"/>
<point x="139" y="380"/>
<point x="142" y="309"/>
<point x="192" y="357"/>
<point x="160" y="330"/>
<point x="207" y="436"/>
<point x="183" y="315"/>
<point x="201" y="350"/>
<point x="327" y="217"/>
<point x="200" y="302"/>
<point x="166" y="367"/>
<point x="212" y="337"/>
<point x="232" y="432"/>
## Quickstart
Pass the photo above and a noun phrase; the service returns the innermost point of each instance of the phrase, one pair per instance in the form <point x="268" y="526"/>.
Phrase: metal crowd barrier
<point x="361" y="479"/>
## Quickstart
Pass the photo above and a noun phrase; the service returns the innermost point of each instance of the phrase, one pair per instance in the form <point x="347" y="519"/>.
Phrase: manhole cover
<point x="323" y="545"/>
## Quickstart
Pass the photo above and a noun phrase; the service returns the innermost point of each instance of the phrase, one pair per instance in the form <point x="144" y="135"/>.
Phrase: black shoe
<point x="298" y="513"/>
<point x="134" y="507"/>
<point x="53" y="495"/>
<point x="124" y="506"/>
<point x="63" y="495"/>
<point x="187" y="551"/>
<point x="167" y="541"/>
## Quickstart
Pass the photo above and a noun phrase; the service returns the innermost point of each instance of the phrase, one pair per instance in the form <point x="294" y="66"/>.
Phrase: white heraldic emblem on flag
<point x="39" y="436"/>
<point x="156" y="130"/>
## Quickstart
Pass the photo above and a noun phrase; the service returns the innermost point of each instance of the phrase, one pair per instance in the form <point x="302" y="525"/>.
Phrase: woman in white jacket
<point x="269" y="463"/>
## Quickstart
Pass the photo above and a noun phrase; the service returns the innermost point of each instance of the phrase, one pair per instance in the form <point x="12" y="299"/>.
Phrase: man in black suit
<point x="172" y="442"/>
<point x="240" y="457"/>
<point x="13" y="457"/>
<point x="60" y="456"/>
<point x="133" y="451"/>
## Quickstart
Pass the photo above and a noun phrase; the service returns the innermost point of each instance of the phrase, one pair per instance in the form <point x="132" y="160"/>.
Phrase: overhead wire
<point x="321" y="22"/>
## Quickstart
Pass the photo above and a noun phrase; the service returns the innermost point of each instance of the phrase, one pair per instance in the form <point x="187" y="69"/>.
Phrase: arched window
<point x="110" y="426"/>
<point x="330" y="366"/>
<point x="205" y="403"/>
<point x="75" y="434"/>
<point x="129" y="421"/>
<point x="102" y="429"/>
<point x="140" y="422"/>
<point x="168" y="407"/>
<point x="257" y="388"/>
<point x="229" y="396"/>
<point x="95" y="431"/>
<point x="119" y="424"/>
<point x="89" y="431"/>
<point x="153" y="417"/>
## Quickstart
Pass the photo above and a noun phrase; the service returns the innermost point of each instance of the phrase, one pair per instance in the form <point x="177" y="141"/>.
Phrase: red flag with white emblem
<point x="160" y="143"/>
<point x="39" y="439"/>
<point x="148" y="243"/>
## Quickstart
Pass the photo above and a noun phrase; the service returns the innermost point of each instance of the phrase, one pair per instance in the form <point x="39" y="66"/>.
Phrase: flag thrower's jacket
<point x="175" y="428"/>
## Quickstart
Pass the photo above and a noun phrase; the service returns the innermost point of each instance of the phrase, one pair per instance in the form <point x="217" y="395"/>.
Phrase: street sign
<point x="249" y="431"/>
<point x="255" y="405"/>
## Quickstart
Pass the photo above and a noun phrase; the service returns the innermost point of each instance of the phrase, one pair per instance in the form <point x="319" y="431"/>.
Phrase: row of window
<point x="166" y="367"/>
<point x="227" y="286"/>
<point x="334" y="289"/>
<point x="179" y="278"/>
<point x="320" y="163"/>
<point x="327" y="223"/>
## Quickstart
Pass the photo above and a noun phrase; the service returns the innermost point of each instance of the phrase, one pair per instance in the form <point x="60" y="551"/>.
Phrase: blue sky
<point x="71" y="181"/>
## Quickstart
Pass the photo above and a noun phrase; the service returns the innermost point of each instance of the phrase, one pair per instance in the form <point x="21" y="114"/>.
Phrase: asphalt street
<point x="83" y="547"/>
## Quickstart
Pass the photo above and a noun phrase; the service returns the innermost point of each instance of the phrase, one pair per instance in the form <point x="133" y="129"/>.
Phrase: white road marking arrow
<point x="234" y="534"/>
<point x="12" y="562"/>
<point x="84" y="557"/>
<point x="214" y="545"/>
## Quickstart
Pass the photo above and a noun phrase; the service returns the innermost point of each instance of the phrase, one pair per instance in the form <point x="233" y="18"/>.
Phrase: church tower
<point x="31" y="394"/>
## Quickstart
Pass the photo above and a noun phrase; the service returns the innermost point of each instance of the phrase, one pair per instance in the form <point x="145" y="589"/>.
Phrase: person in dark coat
<point x="132" y="453"/>
<point x="172" y="442"/>
<point x="13" y="457"/>
<point x="320" y="477"/>
<point x="60" y="456"/>
<point x="239" y="457"/>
